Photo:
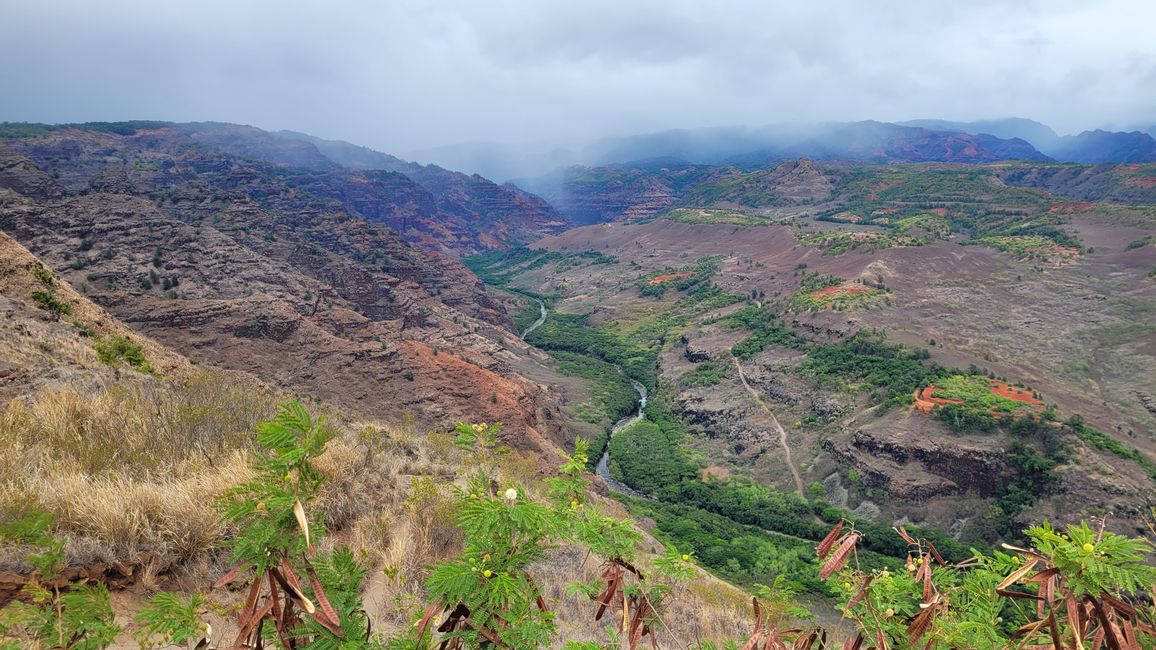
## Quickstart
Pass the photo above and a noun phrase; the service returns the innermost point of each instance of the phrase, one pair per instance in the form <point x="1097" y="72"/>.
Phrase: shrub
<point x="114" y="349"/>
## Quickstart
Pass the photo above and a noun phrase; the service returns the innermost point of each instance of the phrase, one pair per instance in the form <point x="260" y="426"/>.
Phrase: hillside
<point x="643" y="190"/>
<point x="248" y="266"/>
<point x="755" y="353"/>
<point x="437" y="209"/>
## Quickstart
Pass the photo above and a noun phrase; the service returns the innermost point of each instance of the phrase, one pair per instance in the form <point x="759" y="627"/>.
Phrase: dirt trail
<point x="775" y="421"/>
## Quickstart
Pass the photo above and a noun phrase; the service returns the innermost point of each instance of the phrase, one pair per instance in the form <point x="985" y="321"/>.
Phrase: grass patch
<point x="837" y="242"/>
<point x="818" y="291"/>
<point x="614" y="397"/>
<point x="707" y="373"/>
<point x="1030" y="247"/>
<point x="974" y="391"/>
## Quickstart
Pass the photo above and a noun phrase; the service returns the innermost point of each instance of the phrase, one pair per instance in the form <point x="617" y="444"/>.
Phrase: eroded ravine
<point x="775" y="421"/>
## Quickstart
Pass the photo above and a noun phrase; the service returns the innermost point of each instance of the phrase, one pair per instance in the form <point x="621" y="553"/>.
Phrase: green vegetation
<point x="1102" y="441"/>
<point x="1146" y="240"/>
<point x="707" y="373"/>
<point x="569" y="333"/>
<point x="499" y="267"/>
<point x="611" y="389"/>
<point x="643" y="457"/>
<point x="975" y="393"/>
<point x="46" y="298"/>
<point x="837" y="242"/>
<point x="935" y="225"/>
<point x="694" y="279"/>
<point x="818" y="291"/>
<point x="892" y="584"/>
<point x="527" y="315"/>
<point x="114" y="349"/>
<point x="16" y="130"/>
<point x="80" y="617"/>
<point x="47" y="301"/>
<point x="1030" y="247"/>
<point x="866" y="361"/>
<point x="766" y="330"/>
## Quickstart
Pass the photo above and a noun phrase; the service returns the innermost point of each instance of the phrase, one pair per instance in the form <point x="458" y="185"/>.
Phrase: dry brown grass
<point x="129" y="473"/>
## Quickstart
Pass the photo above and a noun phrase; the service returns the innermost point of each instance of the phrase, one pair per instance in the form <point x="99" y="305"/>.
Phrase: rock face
<point x="912" y="466"/>
<point x="21" y="175"/>
<point x="287" y="273"/>
<point x="432" y="207"/>
<point x="500" y="214"/>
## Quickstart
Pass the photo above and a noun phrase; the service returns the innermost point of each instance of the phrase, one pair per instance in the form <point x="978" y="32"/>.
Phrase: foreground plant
<point x="301" y="598"/>
<point x="1087" y="586"/>
<point x="50" y="613"/>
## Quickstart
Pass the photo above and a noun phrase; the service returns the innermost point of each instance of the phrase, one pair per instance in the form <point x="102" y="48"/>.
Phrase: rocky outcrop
<point x="694" y="352"/>
<point x="918" y="467"/>
<point x="22" y="176"/>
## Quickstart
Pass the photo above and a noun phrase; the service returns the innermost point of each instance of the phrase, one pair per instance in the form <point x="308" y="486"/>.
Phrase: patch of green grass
<point x="614" y="397"/>
<point x="837" y="242"/>
<point x="848" y="293"/>
<point x="1104" y="442"/>
<point x="48" y="301"/>
<point x="527" y="315"/>
<point x="1029" y="247"/>
<point x="1141" y="243"/>
<point x="975" y="393"/>
<point x="934" y="225"/>
<point x="707" y="373"/>
<point x="499" y="267"/>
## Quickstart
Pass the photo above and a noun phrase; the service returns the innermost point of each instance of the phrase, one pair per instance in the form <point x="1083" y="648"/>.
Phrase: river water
<point x="536" y="324"/>
<point x="603" y="463"/>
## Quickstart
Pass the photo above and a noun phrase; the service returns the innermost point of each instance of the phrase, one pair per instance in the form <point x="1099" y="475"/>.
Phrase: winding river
<point x="536" y="324"/>
<point x="603" y="469"/>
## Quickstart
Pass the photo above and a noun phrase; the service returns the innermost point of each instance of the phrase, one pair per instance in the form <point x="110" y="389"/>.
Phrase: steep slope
<point x="435" y="208"/>
<point x="47" y="344"/>
<point x="516" y="216"/>
<point x="249" y="266"/>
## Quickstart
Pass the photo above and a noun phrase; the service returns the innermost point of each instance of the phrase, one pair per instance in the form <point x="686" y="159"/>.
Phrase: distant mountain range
<point x="1088" y="147"/>
<point x="926" y="140"/>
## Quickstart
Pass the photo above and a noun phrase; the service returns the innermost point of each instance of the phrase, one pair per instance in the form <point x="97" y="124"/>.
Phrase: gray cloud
<point x="401" y="75"/>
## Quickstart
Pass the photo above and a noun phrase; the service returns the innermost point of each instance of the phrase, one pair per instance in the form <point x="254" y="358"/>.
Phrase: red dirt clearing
<point x="659" y="279"/>
<point x="1015" y="393"/>
<point x="925" y="402"/>
<point x="925" y="399"/>
<point x="845" y="289"/>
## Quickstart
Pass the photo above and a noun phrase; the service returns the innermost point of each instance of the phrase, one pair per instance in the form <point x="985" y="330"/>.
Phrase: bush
<point x="114" y="349"/>
<point x="49" y="303"/>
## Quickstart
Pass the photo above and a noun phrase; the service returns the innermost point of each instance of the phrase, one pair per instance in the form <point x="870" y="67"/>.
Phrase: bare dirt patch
<point x="848" y="289"/>
<point x="659" y="279"/>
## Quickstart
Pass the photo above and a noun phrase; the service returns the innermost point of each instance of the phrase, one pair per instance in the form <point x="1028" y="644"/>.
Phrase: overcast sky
<point x="400" y="75"/>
